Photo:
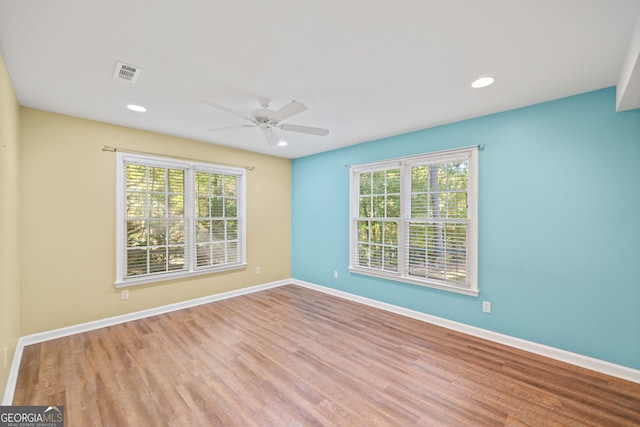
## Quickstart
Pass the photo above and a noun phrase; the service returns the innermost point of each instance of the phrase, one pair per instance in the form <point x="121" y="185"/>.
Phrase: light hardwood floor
<point x="293" y="356"/>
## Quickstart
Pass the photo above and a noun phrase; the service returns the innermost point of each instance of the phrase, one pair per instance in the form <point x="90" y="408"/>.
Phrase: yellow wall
<point x="68" y="221"/>
<point x="9" y="221"/>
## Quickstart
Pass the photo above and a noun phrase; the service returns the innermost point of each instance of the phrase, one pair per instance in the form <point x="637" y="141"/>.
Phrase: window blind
<point x="415" y="220"/>
<point x="177" y="218"/>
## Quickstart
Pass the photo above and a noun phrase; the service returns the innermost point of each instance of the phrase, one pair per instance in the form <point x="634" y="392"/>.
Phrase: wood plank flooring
<point x="292" y="356"/>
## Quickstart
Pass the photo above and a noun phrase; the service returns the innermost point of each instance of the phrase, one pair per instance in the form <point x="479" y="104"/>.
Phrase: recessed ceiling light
<point x="482" y="82"/>
<point x="283" y="144"/>
<point x="138" y="108"/>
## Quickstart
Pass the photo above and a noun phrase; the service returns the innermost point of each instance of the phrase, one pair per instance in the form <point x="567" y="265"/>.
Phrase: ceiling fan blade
<point x="230" y="127"/>
<point x="225" y="109"/>
<point x="271" y="136"/>
<point x="304" y="129"/>
<point x="292" y="108"/>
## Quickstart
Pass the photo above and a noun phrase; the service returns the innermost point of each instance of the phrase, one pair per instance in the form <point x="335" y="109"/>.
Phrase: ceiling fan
<point x="266" y="120"/>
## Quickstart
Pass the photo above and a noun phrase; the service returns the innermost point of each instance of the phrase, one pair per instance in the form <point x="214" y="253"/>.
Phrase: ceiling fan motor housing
<point x="262" y="115"/>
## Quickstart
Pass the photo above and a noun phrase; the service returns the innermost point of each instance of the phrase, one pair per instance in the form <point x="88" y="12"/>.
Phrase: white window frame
<point x="190" y="168"/>
<point x="405" y="164"/>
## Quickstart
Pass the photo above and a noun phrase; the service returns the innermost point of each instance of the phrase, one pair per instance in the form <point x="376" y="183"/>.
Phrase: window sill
<point x="163" y="277"/>
<point x="397" y="278"/>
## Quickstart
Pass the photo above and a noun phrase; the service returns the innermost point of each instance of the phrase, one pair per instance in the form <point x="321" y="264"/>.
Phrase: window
<point x="177" y="218"/>
<point x="415" y="220"/>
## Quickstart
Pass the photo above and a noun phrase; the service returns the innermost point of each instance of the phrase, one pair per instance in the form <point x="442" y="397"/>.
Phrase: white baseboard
<point x="10" y="388"/>
<point x="597" y="365"/>
<point x="12" y="378"/>
<point x="576" y="359"/>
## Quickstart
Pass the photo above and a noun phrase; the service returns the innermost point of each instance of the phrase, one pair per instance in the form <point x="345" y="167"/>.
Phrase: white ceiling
<point x="366" y="69"/>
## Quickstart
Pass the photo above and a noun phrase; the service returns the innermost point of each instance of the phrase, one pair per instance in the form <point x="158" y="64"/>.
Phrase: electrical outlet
<point x="258" y="270"/>
<point x="486" y="306"/>
<point x="125" y="294"/>
<point x="335" y="274"/>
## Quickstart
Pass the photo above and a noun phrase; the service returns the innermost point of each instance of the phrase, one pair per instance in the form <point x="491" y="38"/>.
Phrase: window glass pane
<point x="202" y="183"/>
<point x="376" y="231"/>
<point x="232" y="230"/>
<point x="365" y="207"/>
<point x="217" y="207"/>
<point x="176" y="232"/>
<point x="378" y="206"/>
<point x="419" y="178"/>
<point x="136" y="205"/>
<point x="157" y="260"/>
<point x="417" y="263"/>
<point x="435" y="206"/>
<point x="419" y="205"/>
<point x="393" y="181"/>
<point x="219" y="251"/>
<point x="432" y="180"/>
<point x="364" y="254"/>
<point x="136" y="177"/>
<point x="363" y="231"/>
<point x="176" y="205"/>
<point x="456" y="246"/>
<point x="376" y="256"/>
<point x="202" y="207"/>
<point x="393" y="206"/>
<point x="203" y="255"/>
<point x="176" y="258"/>
<point x="230" y="185"/>
<point x="176" y="181"/>
<point x="233" y="253"/>
<point x="438" y="179"/>
<point x="217" y="230"/>
<point x="215" y="184"/>
<point x="157" y="233"/>
<point x="435" y="251"/>
<point x="417" y="249"/>
<point x="157" y="179"/>
<point x="203" y="231"/>
<point x="457" y="205"/>
<point x="458" y="175"/>
<point x="365" y="183"/>
<point x="157" y="205"/>
<point x="390" y="233"/>
<point x="137" y="233"/>
<point x="136" y="262"/>
<point x="390" y="259"/>
<point x="379" y="182"/>
<point x="230" y="208"/>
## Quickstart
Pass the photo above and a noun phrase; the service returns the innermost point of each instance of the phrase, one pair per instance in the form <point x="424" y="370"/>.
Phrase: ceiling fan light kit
<point x="267" y="120"/>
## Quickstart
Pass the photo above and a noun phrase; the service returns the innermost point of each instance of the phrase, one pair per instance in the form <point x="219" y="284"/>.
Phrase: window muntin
<point x="177" y="218"/>
<point x="430" y="238"/>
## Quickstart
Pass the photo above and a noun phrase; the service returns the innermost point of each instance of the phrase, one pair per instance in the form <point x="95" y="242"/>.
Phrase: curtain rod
<point x="480" y="147"/>
<point x="121" y="150"/>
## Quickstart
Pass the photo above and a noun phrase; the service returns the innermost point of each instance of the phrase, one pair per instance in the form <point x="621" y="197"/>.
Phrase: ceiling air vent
<point x="126" y="72"/>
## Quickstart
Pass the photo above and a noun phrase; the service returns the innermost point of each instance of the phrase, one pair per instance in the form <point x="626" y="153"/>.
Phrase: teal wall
<point x="559" y="224"/>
